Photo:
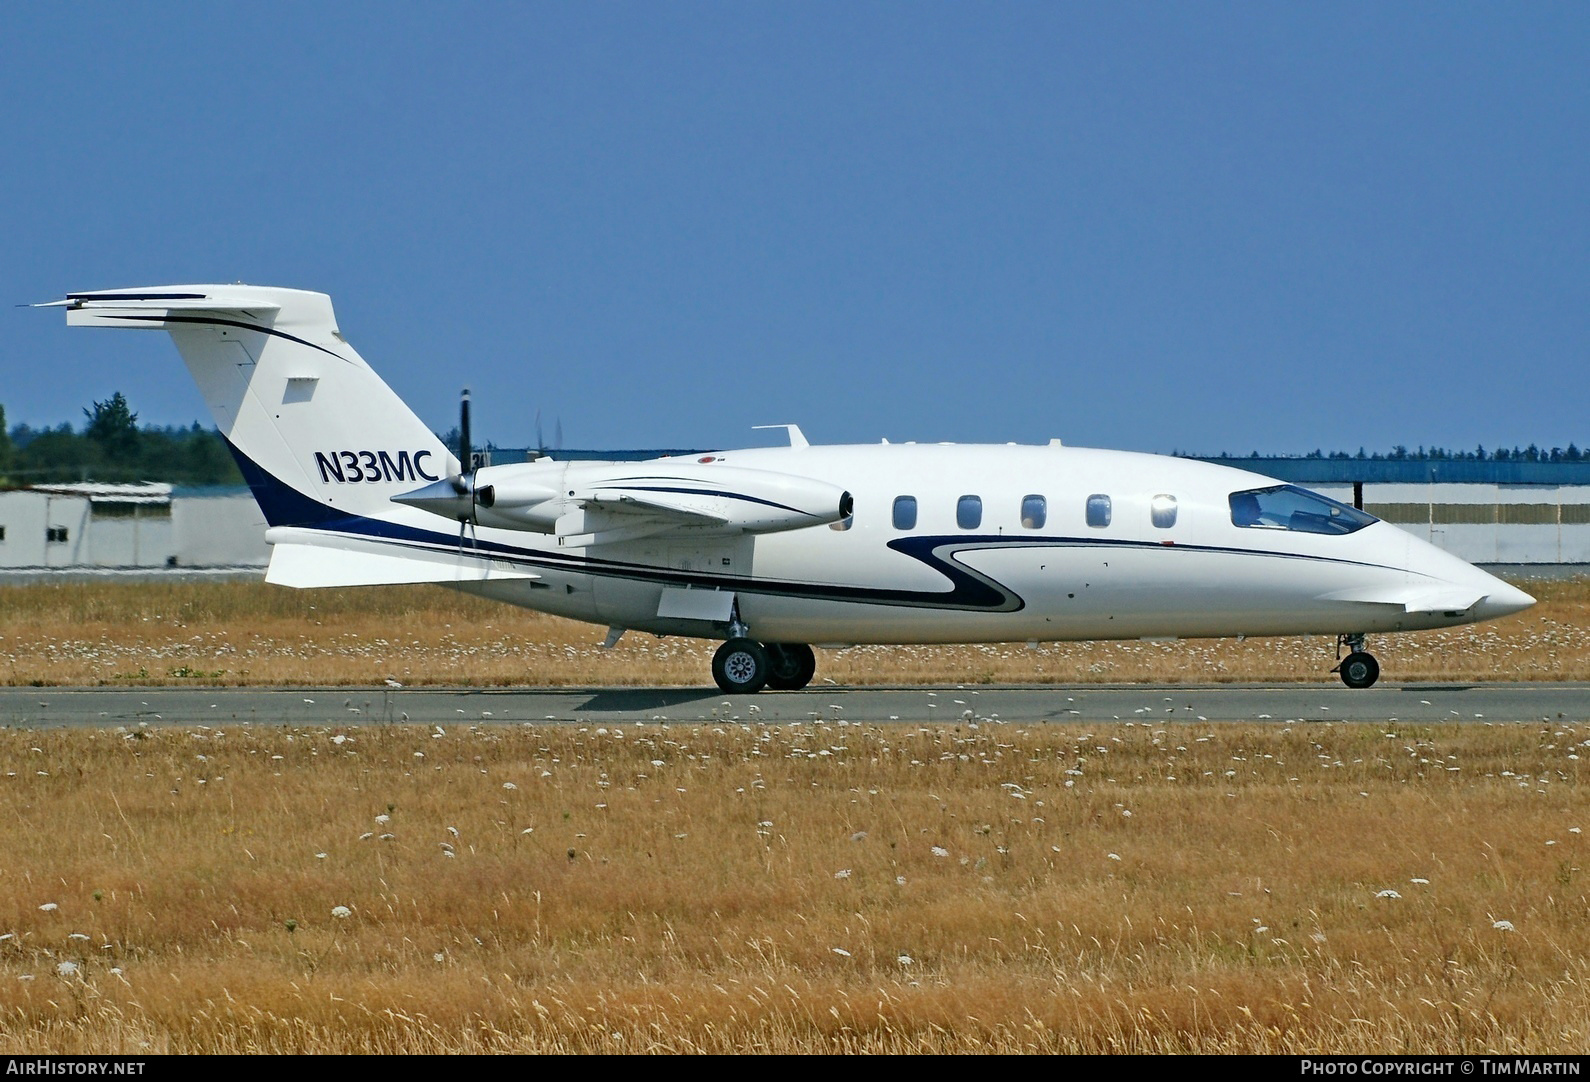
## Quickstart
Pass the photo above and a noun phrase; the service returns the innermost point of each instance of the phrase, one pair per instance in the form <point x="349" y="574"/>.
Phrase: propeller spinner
<point x="456" y="497"/>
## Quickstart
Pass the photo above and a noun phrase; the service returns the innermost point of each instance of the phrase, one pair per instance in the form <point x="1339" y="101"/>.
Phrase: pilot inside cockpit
<point x="1245" y="509"/>
<point x="1287" y="507"/>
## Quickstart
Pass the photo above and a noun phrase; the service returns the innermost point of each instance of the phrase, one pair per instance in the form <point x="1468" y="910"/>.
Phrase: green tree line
<point x="112" y="447"/>
<point x="1400" y="453"/>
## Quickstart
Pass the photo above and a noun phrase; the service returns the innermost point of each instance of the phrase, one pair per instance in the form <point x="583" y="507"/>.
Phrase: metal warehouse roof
<point x="1383" y="471"/>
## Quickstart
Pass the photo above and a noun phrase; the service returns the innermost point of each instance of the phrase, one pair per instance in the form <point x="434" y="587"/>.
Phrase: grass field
<point x="810" y="888"/>
<point x="251" y="633"/>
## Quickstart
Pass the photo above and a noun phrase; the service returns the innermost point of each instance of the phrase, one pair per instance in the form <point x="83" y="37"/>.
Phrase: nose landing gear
<point x="1358" y="669"/>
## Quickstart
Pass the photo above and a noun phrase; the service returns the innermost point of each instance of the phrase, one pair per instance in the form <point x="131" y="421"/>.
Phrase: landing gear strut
<point x="743" y="666"/>
<point x="1358" y="669"/>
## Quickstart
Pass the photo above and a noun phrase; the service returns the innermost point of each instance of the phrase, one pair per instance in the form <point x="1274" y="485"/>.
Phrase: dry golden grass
<point x="815" y="888"/>
<point x="251" y="633"/>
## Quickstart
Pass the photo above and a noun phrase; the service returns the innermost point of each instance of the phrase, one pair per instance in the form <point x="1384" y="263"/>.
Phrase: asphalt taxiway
<point x="33" y="707"/>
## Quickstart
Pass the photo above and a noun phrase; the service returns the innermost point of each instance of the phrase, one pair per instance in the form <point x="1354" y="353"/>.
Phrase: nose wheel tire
<point x="791" y="665"/>
<point x="741" y="667"/>
<point x="1359" y="670"/>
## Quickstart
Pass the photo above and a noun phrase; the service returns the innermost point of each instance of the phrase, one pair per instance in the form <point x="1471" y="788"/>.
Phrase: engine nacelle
<point x="595" y="503"/>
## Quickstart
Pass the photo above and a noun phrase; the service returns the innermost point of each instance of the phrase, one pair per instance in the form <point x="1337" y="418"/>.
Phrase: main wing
<point x="601" y="503"/>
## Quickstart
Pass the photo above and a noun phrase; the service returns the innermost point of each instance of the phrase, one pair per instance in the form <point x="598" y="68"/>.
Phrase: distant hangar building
<point x="143" y="527"/>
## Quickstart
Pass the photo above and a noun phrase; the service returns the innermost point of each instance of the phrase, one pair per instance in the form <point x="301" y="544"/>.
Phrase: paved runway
<point x="1425" y="703"/>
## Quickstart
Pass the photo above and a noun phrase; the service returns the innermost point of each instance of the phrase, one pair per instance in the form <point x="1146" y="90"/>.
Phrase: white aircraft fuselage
<point x="776" y="548"/>
<point x="1002" y="581"/>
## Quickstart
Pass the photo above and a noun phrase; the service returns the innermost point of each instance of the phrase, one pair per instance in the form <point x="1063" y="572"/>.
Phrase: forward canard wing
<point x="1414" y="598"/>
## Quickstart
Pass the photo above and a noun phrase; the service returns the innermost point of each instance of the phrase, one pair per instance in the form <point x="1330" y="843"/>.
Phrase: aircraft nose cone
<point x="1504" y="600"/>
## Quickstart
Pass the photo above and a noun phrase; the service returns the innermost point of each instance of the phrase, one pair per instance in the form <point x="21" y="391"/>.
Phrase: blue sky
<point x="1156" y="226"/>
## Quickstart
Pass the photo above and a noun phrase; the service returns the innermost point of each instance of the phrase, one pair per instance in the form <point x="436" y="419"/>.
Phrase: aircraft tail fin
<point x="318" y="435"/>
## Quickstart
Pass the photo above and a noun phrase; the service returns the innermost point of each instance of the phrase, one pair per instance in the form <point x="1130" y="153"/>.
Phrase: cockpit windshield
<point x="1287" y="507"/>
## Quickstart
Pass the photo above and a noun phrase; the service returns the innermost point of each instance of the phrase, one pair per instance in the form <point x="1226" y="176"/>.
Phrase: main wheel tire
<point x="791" y="665"/>
<point x="1360" y="670"/>
<point x="740" y="666"/>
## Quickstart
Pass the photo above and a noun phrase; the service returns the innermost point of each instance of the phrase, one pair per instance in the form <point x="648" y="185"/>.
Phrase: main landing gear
<point x="744" y="666"/>
<point x="1358" y="669"/>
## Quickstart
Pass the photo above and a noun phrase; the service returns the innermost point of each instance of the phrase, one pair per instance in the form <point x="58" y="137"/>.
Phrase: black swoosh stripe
<point x="218" y="322"/>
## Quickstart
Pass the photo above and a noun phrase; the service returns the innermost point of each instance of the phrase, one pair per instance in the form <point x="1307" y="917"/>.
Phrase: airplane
<point x="774" y="549"/>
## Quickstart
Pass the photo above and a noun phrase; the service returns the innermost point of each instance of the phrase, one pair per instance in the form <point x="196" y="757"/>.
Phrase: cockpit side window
<point x="1287" y="507"/>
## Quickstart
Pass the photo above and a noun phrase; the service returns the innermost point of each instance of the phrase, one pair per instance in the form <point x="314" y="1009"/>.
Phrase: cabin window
<point x="969" y="512"/>
<point x="1162" y="509"/>
<point x="1034" y="512"/>
<point x="1098" y="510"/>
<point x="55" y="533"/>
<point x="1287" y="507"/>
<point x="905" y="512"/>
